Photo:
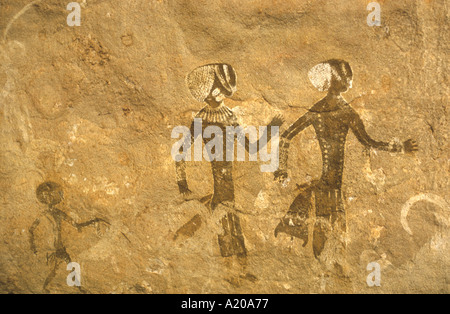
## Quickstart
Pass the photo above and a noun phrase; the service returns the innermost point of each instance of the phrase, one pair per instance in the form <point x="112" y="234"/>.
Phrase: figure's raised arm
<point x="180" y="166"/>
<point x="67" y="218"/>
<point x="31" y="231"/>
<point x="298" y="126"/>
<point x="357" y="126"/>
<point x="91" y="222"/>
<point x="264" y="139"/>
<point x="81" y="225"/>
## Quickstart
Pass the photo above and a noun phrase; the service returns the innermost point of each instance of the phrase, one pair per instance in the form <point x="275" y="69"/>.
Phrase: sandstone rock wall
<point x="92" y="108"/>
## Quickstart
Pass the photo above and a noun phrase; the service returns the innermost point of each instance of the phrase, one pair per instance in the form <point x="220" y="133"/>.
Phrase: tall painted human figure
<point x="212" y="84"/>
<point x="332" y="118"/>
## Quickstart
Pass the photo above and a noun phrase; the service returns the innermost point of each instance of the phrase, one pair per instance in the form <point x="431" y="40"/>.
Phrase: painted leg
<point x="232" y="242"/>
<point x="51" y="276"/>
<point x="321" y="230"/>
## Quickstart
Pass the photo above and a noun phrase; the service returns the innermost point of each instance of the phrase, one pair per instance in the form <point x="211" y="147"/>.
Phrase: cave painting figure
<point x="51" y="194"/>
<point x="332" y="118"/>
<point x="211" y="84"/>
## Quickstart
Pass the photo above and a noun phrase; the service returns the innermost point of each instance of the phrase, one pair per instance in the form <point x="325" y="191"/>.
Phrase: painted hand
<point x="184" y="190"/>
<point x="33" y="249"/>
<point x="278" y="120"/>
<point x="410" y="146"/>
<point x="101" y="226"/>
<point x="280" y="175"/>
<point x="187" y="193"/>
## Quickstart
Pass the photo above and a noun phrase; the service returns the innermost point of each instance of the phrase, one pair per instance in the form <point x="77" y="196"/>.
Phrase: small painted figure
<point x="332" y="118"/>
<point x="213" y="83"/>
<point x="51" y="194"/>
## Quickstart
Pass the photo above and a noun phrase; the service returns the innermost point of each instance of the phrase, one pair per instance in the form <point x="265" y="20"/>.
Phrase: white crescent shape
<point x="432" y="198"/>
<point x="24" y="9"/>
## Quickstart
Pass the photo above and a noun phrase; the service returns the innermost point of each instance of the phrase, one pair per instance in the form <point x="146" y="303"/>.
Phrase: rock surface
<point x="92" y="108"/>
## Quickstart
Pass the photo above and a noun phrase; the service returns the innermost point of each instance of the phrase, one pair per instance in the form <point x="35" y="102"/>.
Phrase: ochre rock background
<point x="92" y="108"/>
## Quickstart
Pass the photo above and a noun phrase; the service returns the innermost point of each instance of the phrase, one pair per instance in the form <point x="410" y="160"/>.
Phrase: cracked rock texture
<point x="92" y="108"/>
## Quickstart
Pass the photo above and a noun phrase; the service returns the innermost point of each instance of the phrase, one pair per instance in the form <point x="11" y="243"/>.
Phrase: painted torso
<point x="332" y="128"/>
<point x="221" y="117"/>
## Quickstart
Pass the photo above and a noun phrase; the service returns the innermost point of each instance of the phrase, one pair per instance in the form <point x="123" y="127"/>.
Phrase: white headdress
<point x="201" y="80"/>
<point x="321" y="76"/>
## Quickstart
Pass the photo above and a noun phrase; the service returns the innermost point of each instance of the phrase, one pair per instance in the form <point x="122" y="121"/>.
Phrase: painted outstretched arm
<point x="31" y="231"/>
<point x="81" y="225"/>
<point x="180" y="168"/>
<point x="359" y="130"/>
<point x="183" y="187"/>
<point x="265" y="138"/>
<point x="285" y="142"/>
